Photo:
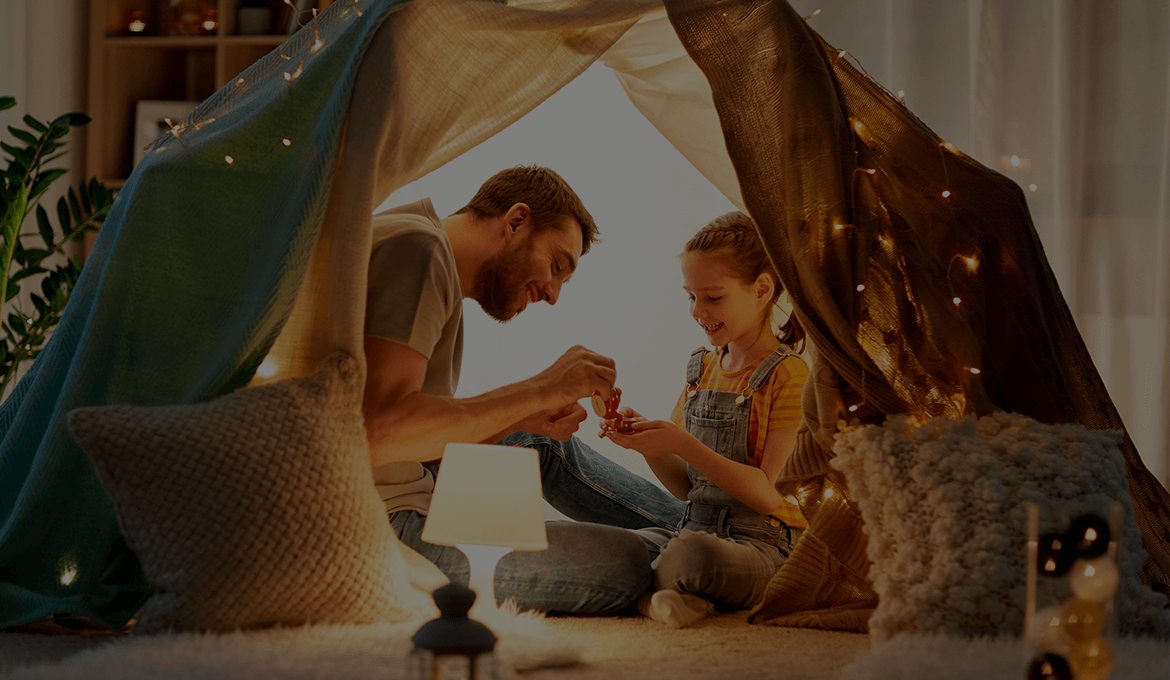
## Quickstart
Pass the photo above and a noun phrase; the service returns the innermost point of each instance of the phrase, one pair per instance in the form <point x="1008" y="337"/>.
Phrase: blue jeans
<point x="592" y="565"/>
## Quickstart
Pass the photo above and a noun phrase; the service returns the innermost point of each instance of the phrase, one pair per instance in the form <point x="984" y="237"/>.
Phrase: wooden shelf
<point x="124" y="69"/>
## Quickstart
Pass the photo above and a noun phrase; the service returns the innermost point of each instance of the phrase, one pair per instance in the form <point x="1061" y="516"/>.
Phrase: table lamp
<point x="487" y="502"/>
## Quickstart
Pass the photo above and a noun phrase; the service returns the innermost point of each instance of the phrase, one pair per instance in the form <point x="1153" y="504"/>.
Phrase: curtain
<point x="853" y="196"/>
<point x="1070" y="100"/>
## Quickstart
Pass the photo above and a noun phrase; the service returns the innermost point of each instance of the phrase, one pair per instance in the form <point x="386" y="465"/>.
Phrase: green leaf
<point x="44" y="180"/>
<point x="7" y="103"/>
<point x="26" y="272"/>
<point x="74" y="119"/>
<point x="45" y="227"/>
<point x="39" y="303"/>
<point x="57" y="131"/>
<point x="35" y="124"/>
<point x="10" y="176"/>
<point x="85" y="201"/>
<point x="16" y="322"/>
<point x="24" y="136"/>
<point x="63" y="214"/>
<point x="74" y="208"/>
<point x="49" y="287"/>
<point x="13" y="290"/>
<point x="49" y="149"/>
<point x="23" y="156"/>
<point x="32" y="257"/>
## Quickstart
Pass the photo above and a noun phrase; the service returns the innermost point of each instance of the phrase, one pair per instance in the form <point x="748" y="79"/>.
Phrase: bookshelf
<point x="125" y="67"/>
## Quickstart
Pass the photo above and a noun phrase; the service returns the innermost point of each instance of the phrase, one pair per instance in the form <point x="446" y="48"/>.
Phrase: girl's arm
<point x="667" y="467"/>
<point x="755" y="487"/>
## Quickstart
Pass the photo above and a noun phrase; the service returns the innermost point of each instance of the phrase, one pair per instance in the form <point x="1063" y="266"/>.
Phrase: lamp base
<point x="482" y="560"/>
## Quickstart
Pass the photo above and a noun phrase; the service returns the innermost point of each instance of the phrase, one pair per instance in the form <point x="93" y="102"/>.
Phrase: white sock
<point x="675" y="609"/>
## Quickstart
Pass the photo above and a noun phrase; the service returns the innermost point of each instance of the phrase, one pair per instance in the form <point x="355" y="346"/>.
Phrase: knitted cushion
<point x="255" y="509"/>
<point x="945" y="509"/>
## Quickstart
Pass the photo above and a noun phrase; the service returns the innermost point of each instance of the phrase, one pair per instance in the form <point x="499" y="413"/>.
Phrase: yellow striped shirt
<point x="776" y="403"/>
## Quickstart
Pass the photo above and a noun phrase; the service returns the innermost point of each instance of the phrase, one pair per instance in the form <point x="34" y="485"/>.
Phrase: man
<point x="517" y="242"/>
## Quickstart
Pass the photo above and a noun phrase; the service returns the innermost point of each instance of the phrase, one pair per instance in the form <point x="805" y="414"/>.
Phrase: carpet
<point x="621" y="648"/>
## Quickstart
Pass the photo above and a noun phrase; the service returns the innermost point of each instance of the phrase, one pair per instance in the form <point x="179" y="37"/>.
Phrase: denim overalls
<point x="722" y="550"/>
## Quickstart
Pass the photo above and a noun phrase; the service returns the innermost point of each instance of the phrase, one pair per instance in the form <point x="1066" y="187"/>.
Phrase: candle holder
<point x="1073" y="639"/>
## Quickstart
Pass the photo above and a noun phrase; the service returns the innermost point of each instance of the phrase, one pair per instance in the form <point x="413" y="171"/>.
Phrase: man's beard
<point x="499" y="283"/>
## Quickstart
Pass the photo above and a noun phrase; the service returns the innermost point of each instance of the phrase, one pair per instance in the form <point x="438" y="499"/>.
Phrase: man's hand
<point x="559" y="425"/>
<point x="577" y="374"/>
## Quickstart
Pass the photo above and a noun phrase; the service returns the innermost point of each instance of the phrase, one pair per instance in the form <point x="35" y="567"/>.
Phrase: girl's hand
<point x="654" y="438"/>
<point x="628" y="414"/>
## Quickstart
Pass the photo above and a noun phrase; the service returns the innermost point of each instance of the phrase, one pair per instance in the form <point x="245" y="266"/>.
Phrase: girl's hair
<point x="734" y="240"/>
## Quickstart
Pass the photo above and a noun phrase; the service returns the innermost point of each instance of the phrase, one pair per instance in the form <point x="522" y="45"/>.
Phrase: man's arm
<point x="402" y="424"/>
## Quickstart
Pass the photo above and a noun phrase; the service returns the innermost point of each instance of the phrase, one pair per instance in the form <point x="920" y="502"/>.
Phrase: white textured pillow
<point x="945" y="510"/>
<point x="254" y="509"/>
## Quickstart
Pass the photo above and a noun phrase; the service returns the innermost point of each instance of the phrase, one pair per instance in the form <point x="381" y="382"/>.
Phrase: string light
<point x="229" y="160"/>
<point x="355" y="8"/>
<point x="860" y="287"/>
<point x="853" y="407"/>
<point x="241" y="80"/>
<point x="806" y="18"/>
<point x="950" y="147"/>
<point x="267" y="369"/>
<point x="829" y="492"/>
<point x="957" y="300"/>
<point x="972" y="263"/>
<point x="902" y="96"/>
<point x="317" y="44"/>
<point x="974" y="371"/>
<point x="1032" y="188"/>
<point x="946" y="193"/>
<point x="838" y="227"/>
<point x="286" y="142"/>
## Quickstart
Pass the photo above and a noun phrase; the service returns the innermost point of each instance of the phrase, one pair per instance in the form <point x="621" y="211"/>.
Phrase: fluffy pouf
<point x="945" y="509"/>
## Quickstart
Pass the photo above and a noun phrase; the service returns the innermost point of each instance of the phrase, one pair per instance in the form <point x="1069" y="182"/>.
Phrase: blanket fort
<point x="245" y="234"/>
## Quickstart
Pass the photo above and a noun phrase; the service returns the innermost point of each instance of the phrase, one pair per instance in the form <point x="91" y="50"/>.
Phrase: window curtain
<point x="1070" y="101"/>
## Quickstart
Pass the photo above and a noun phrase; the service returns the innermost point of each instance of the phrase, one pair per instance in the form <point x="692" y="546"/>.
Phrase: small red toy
<point x="607" y="409"/>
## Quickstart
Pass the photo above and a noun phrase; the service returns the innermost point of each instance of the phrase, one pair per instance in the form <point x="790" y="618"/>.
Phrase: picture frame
<point x="150" y="118"/>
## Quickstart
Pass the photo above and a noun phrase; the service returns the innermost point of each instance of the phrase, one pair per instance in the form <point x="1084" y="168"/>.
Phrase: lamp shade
<point x="487" y="495"/>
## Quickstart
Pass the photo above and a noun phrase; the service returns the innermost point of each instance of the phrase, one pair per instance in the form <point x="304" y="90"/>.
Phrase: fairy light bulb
<point x="286" y="141"/>
<point x="1015" y="161"/>
<point x="1047" y="633"/>
<point x="1032" y="188"/>
<point x="972" y="263"/>
<point x="946" y="193"/>
<point x="871" y="171"/>
<point x="1095" y="580"/>
<point x="240" y="81"/>
<point x="974" y="371"/>
<point x="957" y="300"/>
<point x="949" y="147"/>
<point x="1082" y="620"/>
<point x="838" y="226"/>
<point x="355" y="8"/>
<point x="829" y="492"/>
<point x="1093" y="660"/>
<point x="860" y="287"/>
<point x="229" y="160"/>
<point x="853" y="407"/>
<point x="818" y="11"/>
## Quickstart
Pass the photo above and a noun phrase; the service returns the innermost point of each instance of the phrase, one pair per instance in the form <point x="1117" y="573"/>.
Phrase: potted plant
<point x="22" y="185"/>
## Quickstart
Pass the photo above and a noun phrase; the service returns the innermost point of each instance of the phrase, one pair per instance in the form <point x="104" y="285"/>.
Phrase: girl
<point x="729" y="435"/>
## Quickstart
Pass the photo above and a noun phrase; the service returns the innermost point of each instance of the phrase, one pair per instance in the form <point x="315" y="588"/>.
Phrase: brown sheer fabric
<point x="915" y="270"/>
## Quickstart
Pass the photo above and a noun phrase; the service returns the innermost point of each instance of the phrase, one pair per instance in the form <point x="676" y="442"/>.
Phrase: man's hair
<point x="546" y="193"/>
<point x="734" y="240"/>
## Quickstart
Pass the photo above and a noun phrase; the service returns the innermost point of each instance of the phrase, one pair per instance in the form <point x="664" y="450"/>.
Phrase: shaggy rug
<point x="721" y="646"/>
